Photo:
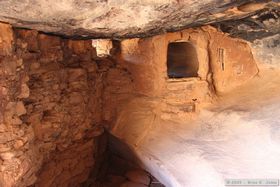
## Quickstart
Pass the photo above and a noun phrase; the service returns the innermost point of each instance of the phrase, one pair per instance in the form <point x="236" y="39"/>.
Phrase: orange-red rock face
<point x="56" y="95"/>
<point x="65" y="109"/>
<point x="164" y="111"/>
<point x="223" y="64"/>
<point x="19" y="157"/>
<point x="50" y="109"/>
<point x="232" y="62"/>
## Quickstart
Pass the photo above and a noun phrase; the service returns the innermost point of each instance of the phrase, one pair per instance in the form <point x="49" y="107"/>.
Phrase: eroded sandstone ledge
<point x="122" y="19"/>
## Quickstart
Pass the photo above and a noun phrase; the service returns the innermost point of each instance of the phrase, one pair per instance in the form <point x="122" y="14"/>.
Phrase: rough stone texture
<point x="64" y="107"/>
<point x="262" y="30"/>
<point x="265" y="23"/>
<point x="6" y="41"/>
<point x="19" y="156"/>
<point x="111" y="18"/>
<point x="103" y="47"/>
<point x="51" y="108"/>
<point x="56" y="97"/>
<point x="266" y="50"/>
<point x="50" y="117"/>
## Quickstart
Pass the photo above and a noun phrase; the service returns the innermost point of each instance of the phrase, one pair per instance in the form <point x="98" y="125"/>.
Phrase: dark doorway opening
<point x="182" y="60"/>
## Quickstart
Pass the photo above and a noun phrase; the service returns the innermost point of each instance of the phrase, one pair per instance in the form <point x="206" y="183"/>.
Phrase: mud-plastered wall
<point x="224" y="63"/>
<point x="232" y="61"/>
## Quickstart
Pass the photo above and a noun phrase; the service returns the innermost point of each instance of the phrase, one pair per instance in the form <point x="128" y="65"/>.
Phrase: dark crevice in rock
<point x="263" y="24"/>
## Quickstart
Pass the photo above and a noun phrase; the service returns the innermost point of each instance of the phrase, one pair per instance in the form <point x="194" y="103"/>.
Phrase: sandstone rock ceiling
<point x="124" y="18"/>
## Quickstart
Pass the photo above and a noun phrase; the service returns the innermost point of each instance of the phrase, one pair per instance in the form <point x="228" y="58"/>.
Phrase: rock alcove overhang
<point x="127" y="19"/>
<point x="261" y="19"/>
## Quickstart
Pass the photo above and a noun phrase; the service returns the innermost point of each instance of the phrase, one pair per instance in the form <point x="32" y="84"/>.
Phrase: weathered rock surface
<point x="267" y="50"/>
<point x="50" y="114"/>
<point x="64" y="106"/>
<point x="110" y="18"/>
<point x="257" y="26"/>
<point x="57" y="96"/>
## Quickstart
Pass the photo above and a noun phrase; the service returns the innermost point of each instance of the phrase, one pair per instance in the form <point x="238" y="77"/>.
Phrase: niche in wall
<point x="182" y="60"/>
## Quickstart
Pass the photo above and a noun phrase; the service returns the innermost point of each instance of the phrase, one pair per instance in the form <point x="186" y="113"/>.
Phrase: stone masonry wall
<point x="19" y="156"/>
<point x="64" y="106"/>
<point x="50" y="117"/>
